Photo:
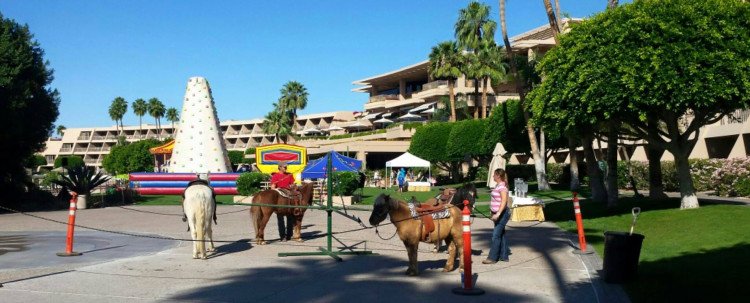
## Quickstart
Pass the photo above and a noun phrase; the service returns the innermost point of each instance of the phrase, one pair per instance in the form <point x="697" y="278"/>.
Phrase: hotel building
<point x="375" y="136"/>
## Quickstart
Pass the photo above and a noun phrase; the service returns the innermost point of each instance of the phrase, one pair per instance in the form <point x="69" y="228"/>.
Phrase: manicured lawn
<point x="687" y="255"/>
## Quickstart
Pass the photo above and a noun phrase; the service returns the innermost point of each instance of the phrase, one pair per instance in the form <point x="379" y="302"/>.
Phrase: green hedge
<point x="249" y="184"/>
<point x="345" y="183"/>
<point x="73" y="161"/>
<point x="236" y="157"/>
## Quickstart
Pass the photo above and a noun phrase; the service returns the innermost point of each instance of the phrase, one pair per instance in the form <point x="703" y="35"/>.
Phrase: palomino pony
<point x="410" y="230"/>
<point x="261" y="214"/>
<point x="199" y="208"/>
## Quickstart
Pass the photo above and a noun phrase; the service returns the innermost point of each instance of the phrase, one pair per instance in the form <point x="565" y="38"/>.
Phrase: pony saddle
<point x="294" y="196"/>
<point x="446" y="195"/>
<point x="428" y="214"/>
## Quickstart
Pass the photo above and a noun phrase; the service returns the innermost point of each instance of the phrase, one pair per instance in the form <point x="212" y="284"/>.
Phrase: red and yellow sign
<point x="163" y="149"/>
<point x="268" y="157"/>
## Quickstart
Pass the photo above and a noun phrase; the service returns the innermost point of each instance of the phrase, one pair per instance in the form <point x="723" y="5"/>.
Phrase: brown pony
<point x="410" y="230"/>
<point x="261" y="214"/>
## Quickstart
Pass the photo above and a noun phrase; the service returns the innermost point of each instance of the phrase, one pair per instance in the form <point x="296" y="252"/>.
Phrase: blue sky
<point x="246" y="49"/>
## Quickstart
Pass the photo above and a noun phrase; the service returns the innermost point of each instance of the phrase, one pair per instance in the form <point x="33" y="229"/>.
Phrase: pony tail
<point x="201" y="224"/>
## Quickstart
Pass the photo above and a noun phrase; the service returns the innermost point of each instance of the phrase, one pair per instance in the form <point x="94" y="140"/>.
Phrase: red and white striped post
<point x="71" y="225"/>
<point x="579" y="224"/>
<point x="468" y="287"/>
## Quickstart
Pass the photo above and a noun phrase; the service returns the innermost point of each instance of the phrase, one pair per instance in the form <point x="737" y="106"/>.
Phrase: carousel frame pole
<point x="328" y="251"/>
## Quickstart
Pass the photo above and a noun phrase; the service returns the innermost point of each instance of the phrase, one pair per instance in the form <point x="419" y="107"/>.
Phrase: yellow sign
<point x="268" y="157"/>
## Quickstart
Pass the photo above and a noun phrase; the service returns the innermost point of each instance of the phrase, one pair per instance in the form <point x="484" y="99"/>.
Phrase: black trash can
<point x="621" y="253"/>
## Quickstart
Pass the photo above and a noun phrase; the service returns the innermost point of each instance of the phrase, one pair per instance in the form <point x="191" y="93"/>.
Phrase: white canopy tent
<point x="406" y="160"/>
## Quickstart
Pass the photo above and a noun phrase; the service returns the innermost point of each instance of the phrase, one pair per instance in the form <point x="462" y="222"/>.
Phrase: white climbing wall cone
<point x="199" y="145"/>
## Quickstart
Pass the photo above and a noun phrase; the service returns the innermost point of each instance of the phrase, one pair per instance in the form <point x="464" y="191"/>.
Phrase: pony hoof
<point x="261" y="242"/>
<point x="298" y="240"/>
<point x="195" y="256"/>
<point x="213" y="249"/>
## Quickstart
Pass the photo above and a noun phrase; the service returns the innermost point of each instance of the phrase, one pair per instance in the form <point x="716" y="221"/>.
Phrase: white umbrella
<point x="357" y="125"/>
<point x="333" y="128"/>
<point x="498" y="161"/>
<point x="382" y="120"/>
<point x="410" y="116"/>
<point x="429" y="111"/>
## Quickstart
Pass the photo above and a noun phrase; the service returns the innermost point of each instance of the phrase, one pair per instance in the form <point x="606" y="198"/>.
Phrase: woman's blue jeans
<point x="499" y="249"/>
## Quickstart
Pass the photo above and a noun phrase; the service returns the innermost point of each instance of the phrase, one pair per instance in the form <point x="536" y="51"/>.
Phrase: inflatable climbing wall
<point x="199" y="145"/>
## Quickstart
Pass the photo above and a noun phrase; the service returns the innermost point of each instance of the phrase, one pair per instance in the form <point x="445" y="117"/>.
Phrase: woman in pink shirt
<point x="500" y="208"/>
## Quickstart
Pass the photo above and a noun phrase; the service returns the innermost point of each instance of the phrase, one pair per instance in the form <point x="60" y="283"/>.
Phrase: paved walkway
<point x="119" y="268"/>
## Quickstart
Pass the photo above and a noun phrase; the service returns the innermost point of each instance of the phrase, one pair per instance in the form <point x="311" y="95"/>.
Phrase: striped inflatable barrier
<point x="175" y="183"/>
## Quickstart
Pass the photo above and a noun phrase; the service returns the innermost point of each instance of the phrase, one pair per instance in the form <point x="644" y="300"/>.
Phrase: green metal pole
<point x="329" y="196"/>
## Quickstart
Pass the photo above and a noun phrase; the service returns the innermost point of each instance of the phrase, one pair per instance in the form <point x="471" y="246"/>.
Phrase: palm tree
<point x="293" y="97"/>
<point x="140" y="108"/>
<point x="172" y="116"/>
<point x="489" y="67"/>
<point x="156" y="110"/>
<point x="538" y="161"/>
<point x="445" y="63"/>
<point x="474" y="25"/>
<point x="117" y="110"/>
<point x="277" y="122"/>
<point x="472" y="28"/>
<point x="553" y="24"/>
<point x="61" y="130"/>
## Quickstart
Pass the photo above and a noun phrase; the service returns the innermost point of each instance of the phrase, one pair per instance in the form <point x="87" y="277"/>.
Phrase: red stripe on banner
<point x="280" y="156"/>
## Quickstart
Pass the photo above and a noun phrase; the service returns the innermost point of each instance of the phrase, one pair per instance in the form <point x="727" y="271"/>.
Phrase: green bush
<point x="133" y="157"/>
<point x="50" y="177"/>
<point x="236" y="157"/>
<point x="743" y="187"/>
<point x="34" y="161"/>
<point x="482" y="174"/>
<point x="249" y="184"/>
<point x="73" y="161"/>
<point x="250" y="151"/>
<point x="345" y="183"/>
<point x="466" y="139"/>
<point x="555" y="172"/>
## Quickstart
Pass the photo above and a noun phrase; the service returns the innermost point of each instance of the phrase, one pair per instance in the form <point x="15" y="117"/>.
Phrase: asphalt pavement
<point x="136" y="256"/>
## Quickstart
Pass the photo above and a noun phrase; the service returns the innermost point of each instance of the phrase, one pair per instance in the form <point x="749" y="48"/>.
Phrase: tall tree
<point x="473" y="28"/>
<point x="488" y="66"/>
<point x="553" y="21"/>
<point x="61" y="130"/>
<point x="595" y="74"/>
<point x="276" y="122"/>
<point x="293" y="98"/>
<point x="445" y="64"/>
<point x="140" y="108"/>
<point x="156" y="109"/>
<point x="173" y="116"/>
<point x="539" y="164"/>
<point x="117" y="110"/>
<point x="28" y="106"/>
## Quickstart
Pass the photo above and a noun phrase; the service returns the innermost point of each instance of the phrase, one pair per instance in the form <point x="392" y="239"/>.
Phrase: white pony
<point x="199" y="208"/>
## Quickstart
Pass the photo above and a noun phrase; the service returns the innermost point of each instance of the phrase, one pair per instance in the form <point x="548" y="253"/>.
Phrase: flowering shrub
<point x="732" y="172"/>
<point x="702" y="171"/>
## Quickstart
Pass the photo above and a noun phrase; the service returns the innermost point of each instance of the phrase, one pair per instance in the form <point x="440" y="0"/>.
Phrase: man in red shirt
<point x="284" y="180"/>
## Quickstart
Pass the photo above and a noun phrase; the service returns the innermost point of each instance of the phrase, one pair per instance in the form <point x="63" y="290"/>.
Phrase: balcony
<point x="84" y="137"/>
<point x="95" y="148"/>
<point x="380" y="98"/>
<point x="80" y="149"/>
<point x="433" y="85"/>
<point x="65" y="149"/>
